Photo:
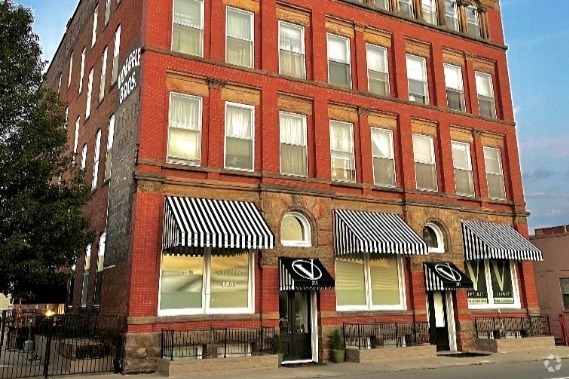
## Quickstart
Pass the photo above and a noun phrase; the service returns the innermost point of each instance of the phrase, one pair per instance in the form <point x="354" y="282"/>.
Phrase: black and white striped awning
<point x="483" y="240"/>
<point x="303" y="274"/>
<point x="445" y="277"/>
<point x="357" y="232"/>
<point x="198" y="223"/>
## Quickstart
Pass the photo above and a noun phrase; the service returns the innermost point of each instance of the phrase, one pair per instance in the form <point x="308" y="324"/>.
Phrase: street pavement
<point x="501" y="366"/>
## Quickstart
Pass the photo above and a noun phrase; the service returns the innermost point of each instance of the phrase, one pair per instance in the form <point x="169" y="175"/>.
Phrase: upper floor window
<point x="377" y="72"/>
<point x="295" y="230"/>
<point x="429" y="8"/>
<point x="117" y="48"/>
<point x="89" y="93"/>
<point x="107" y="12"/>
<point x="342" y="151"/>
<point x="339" y="70"/>
<point x="485" y="92"/>
<point x="417" y="77"/>
<point x="382" y="4"/>
<point x="454" y="87"/>
<point x="184" y="130"/>
<point x="293" y="144"/>
<point x="406" y="8"/>
<point x="564" y="283"/>
<point x="86" y="267"/>
<point x="291" y="50"/>
<point x="494" y="173"/>
<point x="239" y="136"/>
<point x="473" y="21"/>
<point x="83" y="158"/>
<point x="187" y="31"/>
<point x="59" y="84"/>
<point x="96" y="156"/>
<point x="383" y="158"/>
<point x="240" y="37"/>
<point x="451" y="15"/>
<point x="110" y="140"/>
<point x="76" y="136"/>
<point x="434" y="238"/>
<point x="103" y="75"/>
<point x="70" y="70"/>
<point x="95" y="20"/>
<point x="82" y="73"/>
<point x="425" y="167"/>
<point x="462" y="169"/>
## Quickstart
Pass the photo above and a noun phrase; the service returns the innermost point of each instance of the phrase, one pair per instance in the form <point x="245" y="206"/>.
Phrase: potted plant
<point x="337" y="347"/>
<point x="278" y="347"/>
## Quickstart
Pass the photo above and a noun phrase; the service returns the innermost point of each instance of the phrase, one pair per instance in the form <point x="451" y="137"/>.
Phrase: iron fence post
<point x="171" y="345"/>
<point x="2" y="331"/>
<point x="225" y="344"/>
<point x="48" y="347"/>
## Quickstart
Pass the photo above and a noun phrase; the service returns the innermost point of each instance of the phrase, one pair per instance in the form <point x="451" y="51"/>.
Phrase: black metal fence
<point x="520" y="327"/>
<point x="216" y="343"/>
<point x="35" y="345"/>
<point x="370" y="336"/>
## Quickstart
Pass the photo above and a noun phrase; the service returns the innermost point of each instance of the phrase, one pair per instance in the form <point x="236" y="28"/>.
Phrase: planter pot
<point x="281" y="355"/>
<point x="338" y="356"/>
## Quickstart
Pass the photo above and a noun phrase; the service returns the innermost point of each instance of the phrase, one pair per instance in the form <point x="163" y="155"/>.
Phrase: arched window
<point x="295" y="230"/>
<point x="433" y="236"/>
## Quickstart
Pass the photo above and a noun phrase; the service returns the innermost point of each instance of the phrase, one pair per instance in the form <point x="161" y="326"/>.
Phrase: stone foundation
<point x="142" y="351"/>
<point x="200" y="368"/>
<point x="385" y="354"/>
<point x="516" y="345"/>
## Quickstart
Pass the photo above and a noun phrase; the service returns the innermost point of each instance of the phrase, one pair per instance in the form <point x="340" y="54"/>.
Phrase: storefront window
<point x="369" y="283"/>
<point x="215" y="282"/>
<point x="494" y="284"/>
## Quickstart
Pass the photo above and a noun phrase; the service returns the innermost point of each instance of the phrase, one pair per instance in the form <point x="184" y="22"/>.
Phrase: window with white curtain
<point x="406" y="8"/>
<point x="339" y="71"/>
<point x="82" y="73"/>
<point x="485" y="92"/>
<point x="495" y="284"/>
<point x="96" y="157"/>
<point x="107" y="11"/>
<point x="83" y="158"/>
<point x="293" y="144"/>
<point x="377" y="70"/>
<point x="184" y="130"/>
<point x="291" y="50"/>
<point x="109" y="156"/>
<point x="239" y="136"/>
<point x="462" y="168"/>
<point x="425" y="168"/>
<point x="76" y="137"/>
<point x="430" y="11"/>
<point x="240" y="37"/>
<point x="494" y="173"/>
<point x="451" y="15"/>
<point x="382" y="4"/>
<point x="369" y="283"/>
<point x="342" y="151"/>
<point x="70" y="70"/>
<point x="103" y="75"/>
<point x="472" y="21"/>
<point x="188" y="25"/>
<point x="89" y="93"/>
<point x="454" y="87"/>
<point x="117" y="48"/>
<point x="417" y="77"/>
<point x="95" y="20"/>
<point x="86" y="267"/>
<point x="383" y="158"/>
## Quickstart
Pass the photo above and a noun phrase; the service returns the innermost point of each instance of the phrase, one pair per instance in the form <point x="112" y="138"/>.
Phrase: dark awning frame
<point x="303" y="274"/>
<point x="445" y="277"/>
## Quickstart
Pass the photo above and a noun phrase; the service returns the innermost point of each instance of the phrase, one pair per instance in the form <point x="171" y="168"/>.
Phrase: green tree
<point x="42" y="227"/>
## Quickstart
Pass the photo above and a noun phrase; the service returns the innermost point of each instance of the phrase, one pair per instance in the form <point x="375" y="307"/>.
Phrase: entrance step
<point x="516" y="345"/>
<point x="201" y="368"/>
<point x="387" y="354"/>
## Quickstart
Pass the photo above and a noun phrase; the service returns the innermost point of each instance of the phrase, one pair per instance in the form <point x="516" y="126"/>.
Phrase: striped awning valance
<point x="445" y="277"/>
<point x="483" y="240"/>
<point x="199" y="223"/>
<point x="357" y="232"/>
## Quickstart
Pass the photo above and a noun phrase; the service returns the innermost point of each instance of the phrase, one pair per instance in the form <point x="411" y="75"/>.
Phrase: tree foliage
<point x="42" y="226"/>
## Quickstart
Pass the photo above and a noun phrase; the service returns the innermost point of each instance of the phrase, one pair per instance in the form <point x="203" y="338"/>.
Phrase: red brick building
<point x="273" y="163"/>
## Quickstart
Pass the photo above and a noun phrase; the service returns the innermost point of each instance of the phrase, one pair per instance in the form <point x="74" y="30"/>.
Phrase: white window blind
<point x="425" y="170"/>
<point x="293" y="144"/>
<point x="383" y="160"/>
<point x="454" y="87"/>
<point x="339" y="71"/>
<point x="378" y="77"/>
<point x="417" y="77"/>
<point x="462" y="169"/>
<point x="494" y="173"/>
<point x="485" y="91"/>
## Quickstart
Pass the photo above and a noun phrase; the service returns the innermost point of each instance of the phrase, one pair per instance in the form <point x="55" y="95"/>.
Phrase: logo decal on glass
<point x="448" y="272"/>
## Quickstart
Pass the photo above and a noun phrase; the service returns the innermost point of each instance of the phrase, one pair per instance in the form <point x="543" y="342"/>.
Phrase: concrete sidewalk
<point x="344" y="370"/>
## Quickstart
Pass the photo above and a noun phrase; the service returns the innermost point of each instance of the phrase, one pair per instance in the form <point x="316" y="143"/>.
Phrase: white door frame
<point x="451" y="324"/>
<point x="313" y="298"/>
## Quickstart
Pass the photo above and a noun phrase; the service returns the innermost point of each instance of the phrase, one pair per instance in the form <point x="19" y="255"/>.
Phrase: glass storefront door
<point x="294" y="323"/>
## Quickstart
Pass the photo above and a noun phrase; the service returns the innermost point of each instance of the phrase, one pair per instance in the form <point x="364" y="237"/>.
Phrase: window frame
<point x="302" y="42"/>
<point x="76" y="137"/>
<point x="82" y="75"/>
<point x="434" y="162"/>
<point x="478" y="31"/>
<point x="490" y="291"/>
<point x="96" y="160"/>
<point x="441" y="243"/>
<point x="252" y="30"/>
<point x="85" y="284"/>
<point x="489" y="77"/>
<point x="353" y="152"/>
<point x="499" y="156"/>
<point x="386" y="63"/>
<point x="373" y="157"/>
<point x="433" y="6"/>
<point x="202" y="11"/>
<point x="455" y="17"/>
<point x="565" y="308"/>
<point x="402" y="306"/>
<point x="89" y="98"/>
<point x="107" y="12"/>
<point x="103" y="80"/>
<point x="95" y="25"/>
<point x="252" y="109"/>
<point x="451" y="66"/>
<point x="346" y="41"/>
<point x="470" y="168"/>
<point x="116" y="55"/>
<point x="410" y="4"/>
<point x="304" y="124"/>
<point x="425" y="80"/>
<point x="109" y="151"/>
<point x="206" y="309"/>
<point x="307" y="241"/>
<point x="200" y="130"/>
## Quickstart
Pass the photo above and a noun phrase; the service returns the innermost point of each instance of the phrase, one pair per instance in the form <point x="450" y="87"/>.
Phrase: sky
<point x="538" y="56"/>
